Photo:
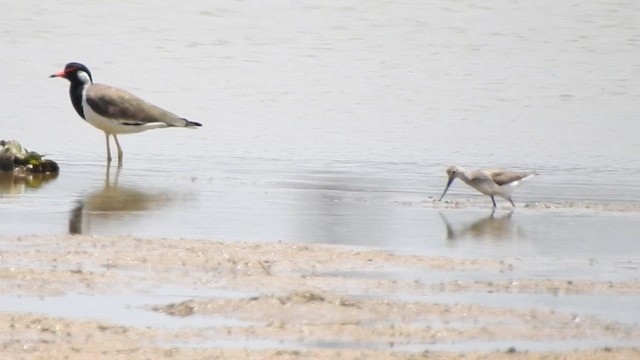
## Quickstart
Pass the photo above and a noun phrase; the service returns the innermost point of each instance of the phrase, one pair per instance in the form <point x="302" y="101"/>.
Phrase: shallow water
<point x="333" y="123"/>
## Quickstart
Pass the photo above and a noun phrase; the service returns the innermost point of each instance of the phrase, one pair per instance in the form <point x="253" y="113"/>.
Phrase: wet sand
<point x="284" y="301"/>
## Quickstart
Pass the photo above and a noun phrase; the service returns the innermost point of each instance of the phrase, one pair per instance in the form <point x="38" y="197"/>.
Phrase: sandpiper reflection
<point x="110" y="206"/>
<point x="487" y="227"/>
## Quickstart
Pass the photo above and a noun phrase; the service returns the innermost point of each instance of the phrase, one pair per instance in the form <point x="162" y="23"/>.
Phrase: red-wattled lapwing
<point x="113" y="110"/>
<point x="490" y="182"/>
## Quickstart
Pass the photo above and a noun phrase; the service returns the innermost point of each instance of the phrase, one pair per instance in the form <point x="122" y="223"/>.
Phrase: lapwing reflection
<point x="110" y="205"/>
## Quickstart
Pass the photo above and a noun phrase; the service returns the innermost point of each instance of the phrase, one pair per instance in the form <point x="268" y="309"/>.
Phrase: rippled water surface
<point x="333" y="122"/>
<point x="321" y="117"/>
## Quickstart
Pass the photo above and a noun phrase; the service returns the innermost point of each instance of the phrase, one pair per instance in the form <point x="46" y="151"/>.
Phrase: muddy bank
<point x="283" y="301"/>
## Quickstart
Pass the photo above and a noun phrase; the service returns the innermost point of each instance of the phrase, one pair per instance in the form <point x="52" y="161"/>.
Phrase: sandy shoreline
<point x="285" y="301"/>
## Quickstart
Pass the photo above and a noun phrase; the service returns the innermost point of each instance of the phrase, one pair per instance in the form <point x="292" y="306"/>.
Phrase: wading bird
<point x="113" y="110"/>
<point x="490" y="182"/>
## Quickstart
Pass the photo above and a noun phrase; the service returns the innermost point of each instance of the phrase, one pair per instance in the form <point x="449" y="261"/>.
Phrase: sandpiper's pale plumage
<point x="113" y="110"/>
<point x="490" y="182"/>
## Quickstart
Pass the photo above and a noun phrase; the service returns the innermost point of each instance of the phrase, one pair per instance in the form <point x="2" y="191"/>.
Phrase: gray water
<point x="333" y="122"/>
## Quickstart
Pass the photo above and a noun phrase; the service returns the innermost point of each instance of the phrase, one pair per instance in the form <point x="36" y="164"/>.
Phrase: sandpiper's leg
<point x="106" y="136"/>
<point x="511" y="201"/>
<point x="119" y="149"/>
<point x="494" y="202"/>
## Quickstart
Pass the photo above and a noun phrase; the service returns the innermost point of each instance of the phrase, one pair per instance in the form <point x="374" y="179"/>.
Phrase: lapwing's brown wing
<point x="129" y="109"/>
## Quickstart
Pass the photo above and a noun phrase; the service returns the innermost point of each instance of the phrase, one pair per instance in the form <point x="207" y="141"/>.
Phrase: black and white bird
<point x="113" y="110"/>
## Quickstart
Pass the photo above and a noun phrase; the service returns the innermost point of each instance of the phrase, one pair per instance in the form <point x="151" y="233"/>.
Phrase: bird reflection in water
<point x="488" y="227"/>
<point x="110" y="205"/>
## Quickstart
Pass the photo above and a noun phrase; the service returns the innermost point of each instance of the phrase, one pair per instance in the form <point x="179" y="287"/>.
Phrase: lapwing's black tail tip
<point x="190" y="123"/>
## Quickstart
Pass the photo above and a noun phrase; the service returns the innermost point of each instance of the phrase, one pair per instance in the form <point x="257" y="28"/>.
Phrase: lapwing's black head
<point x="76" y="73"/>
<point x="80" y="78"/>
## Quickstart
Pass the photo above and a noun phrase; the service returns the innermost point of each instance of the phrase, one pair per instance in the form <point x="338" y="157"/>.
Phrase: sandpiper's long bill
<point x="112" y="110"/>
<point x="490" y="182"/>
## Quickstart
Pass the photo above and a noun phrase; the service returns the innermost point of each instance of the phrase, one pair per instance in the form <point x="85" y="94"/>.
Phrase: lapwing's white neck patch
<point x="84" y="77"/>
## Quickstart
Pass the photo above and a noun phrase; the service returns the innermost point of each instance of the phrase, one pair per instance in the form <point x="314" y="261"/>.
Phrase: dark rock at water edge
<point x="15" y="158"/>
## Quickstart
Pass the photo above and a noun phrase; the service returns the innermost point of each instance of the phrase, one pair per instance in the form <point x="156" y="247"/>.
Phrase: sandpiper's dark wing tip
<point x="503" y="177"/>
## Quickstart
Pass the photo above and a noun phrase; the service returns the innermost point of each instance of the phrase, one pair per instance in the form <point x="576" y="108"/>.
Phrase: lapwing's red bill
<point x="58" y="74"/>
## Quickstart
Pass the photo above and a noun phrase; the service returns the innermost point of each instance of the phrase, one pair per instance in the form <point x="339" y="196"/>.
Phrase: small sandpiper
<point x="490" y="182"/>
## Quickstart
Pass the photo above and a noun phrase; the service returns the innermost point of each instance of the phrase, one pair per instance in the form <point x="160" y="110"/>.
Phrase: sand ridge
<point x="299" y="301"/>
